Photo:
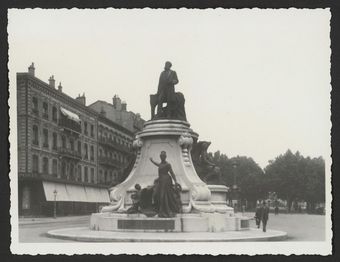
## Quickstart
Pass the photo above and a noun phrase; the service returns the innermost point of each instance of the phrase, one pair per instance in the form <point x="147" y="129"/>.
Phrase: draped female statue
<point x="166" y="195"/>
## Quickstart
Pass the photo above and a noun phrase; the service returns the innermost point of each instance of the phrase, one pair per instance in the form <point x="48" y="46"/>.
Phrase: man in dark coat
<point x="258" y="214"/>
<point x="264" y="215"/>
<point x="166" y="88"/>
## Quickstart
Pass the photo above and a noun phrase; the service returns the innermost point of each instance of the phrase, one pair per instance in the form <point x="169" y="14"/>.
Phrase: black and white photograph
<point x="170" y="131"/>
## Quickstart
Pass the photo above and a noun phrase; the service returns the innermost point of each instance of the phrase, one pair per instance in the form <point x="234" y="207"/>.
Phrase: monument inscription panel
<point x="153" y="224"/>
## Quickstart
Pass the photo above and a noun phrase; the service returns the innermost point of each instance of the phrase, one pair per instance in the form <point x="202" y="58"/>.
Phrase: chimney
<point x="60" y="88"/>
<point x="81" y="99"/>
<point x="52" y="81"/>
<point x="31" y="69"/>
<point x="103" y="112"/>
<point x="117" y="104"/>
<point x="124" y="105"/>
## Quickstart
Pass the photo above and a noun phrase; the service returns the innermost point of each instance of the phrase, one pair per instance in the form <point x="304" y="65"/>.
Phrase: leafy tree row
<point x="292" y="176"/>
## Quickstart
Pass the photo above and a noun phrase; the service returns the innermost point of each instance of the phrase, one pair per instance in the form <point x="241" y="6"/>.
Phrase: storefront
<point x="41" y="199"/>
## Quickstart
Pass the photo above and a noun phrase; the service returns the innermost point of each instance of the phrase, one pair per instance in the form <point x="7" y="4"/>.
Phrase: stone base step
<point x="202" y="222"/>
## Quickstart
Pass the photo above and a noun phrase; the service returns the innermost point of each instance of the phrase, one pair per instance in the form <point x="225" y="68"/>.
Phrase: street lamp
<point x="55" y="192"/>
<point x="234" y="187"/>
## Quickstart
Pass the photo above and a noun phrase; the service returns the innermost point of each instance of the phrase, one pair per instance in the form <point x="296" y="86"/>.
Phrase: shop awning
<point x="75" y="193"/>
<point x="55" y="190"/>
<point x="70" y="114"/>
<point x="97" y="195"/>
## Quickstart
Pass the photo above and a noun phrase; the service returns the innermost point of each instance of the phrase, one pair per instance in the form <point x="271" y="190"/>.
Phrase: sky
<point x="256" y="82"/>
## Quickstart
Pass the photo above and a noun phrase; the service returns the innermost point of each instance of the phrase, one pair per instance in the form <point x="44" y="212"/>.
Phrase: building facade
<point x="117" y="113"/>
<point x="68" y="153"/>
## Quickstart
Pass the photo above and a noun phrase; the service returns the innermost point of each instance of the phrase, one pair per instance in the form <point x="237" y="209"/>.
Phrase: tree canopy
<point x="292" y="176"/>
<point x="297" y="178"/>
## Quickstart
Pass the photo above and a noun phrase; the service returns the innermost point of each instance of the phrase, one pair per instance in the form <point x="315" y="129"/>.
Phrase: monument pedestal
<point x="192" y="222"/>
<point x="204" y="206"/>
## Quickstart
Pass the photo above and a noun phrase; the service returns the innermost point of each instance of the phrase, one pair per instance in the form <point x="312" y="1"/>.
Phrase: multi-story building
<point x="117" y="112"/>
<point x="68" y="153"/>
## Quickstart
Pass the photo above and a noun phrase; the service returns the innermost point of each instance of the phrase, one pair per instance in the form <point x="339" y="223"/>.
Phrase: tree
<point x="284" y="176"/>
<point x="294" y="178"/>
<point x="248" y="176"/>
<point x="314" y="180"/>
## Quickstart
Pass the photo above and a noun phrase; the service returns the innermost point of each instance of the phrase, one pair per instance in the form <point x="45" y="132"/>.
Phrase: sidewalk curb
<point x="53" y="221"/>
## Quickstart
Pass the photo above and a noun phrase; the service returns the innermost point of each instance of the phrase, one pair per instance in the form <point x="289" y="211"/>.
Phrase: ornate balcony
<point x="106" y="161"/>
<point x="69" y="125"/>
<point x="110" y="143"/>
<point x="35" y="111"/>
<point x="68" y="153"/>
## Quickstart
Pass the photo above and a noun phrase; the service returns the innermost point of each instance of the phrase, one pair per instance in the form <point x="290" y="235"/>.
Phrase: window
<point x="63" y="169"/>
<point x="45" y="110"/>
<point x="101" y="176"/>
<point x="92" y="131"/>
<point x="71" y="171"/>
<point x="35" y="135"/>
<point x="92" y="153"/>
<point x="85" y="127"/>
<point x="105" y="176"/>
<point x="55" y="141"/>
<point x="55" y="167"/>
<point x="45" y="137"/>
<point x="79" y="147"/>
<point x="54" y="114"/>
<point x="35" y="106"/>
<point x="35" y="164"/>
<point x="63" y="141"/>
<point x="86" y="151"/>
<point x="71" y="144"/>
<point x="100" y="152"/>
<point x="85" y="174"/>
<point x="92" y="175"/>
<point x="45" y="166"/>
<point x="78" y="178"/>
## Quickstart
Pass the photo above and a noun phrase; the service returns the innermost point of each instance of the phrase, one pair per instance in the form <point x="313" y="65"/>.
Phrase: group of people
<point x="163" y="197"/>
<point x="262" y="215"/>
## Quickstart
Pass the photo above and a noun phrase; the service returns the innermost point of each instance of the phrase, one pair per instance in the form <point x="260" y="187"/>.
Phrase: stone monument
<point x="204" y="207"/>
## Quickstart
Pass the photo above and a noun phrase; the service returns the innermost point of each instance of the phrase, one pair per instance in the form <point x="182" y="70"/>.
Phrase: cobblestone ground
<point x="300" y="227"/>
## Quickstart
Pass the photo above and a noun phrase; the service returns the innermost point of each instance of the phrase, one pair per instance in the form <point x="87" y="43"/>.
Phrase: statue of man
<point x="166" y="87"/>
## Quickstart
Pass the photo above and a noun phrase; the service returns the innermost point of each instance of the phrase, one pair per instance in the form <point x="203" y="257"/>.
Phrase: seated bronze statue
<point x="166" y="94"/>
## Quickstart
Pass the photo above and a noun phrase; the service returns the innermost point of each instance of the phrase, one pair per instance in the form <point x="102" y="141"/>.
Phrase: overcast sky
<point x="256" y="82"/>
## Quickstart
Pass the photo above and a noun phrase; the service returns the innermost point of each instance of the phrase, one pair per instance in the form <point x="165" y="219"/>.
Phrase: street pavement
<point x="34" y="230"/>
<point x="300" y="227"/>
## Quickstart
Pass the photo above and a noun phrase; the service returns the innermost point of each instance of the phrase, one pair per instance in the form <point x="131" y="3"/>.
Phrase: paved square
<point x="300" y="227"/>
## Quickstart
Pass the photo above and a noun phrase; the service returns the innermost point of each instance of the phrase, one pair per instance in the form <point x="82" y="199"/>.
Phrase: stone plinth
<point x="204" y="207"/>
<point x="219" y="199"/>
<point x="176" y="138"/>
<point x="191" y="222"/>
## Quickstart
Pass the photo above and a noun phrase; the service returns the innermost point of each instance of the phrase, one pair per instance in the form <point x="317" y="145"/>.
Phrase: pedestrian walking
<point x="258" y="214"/>
<point x="276" y="210"/>
<point x="264" y="215"/>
